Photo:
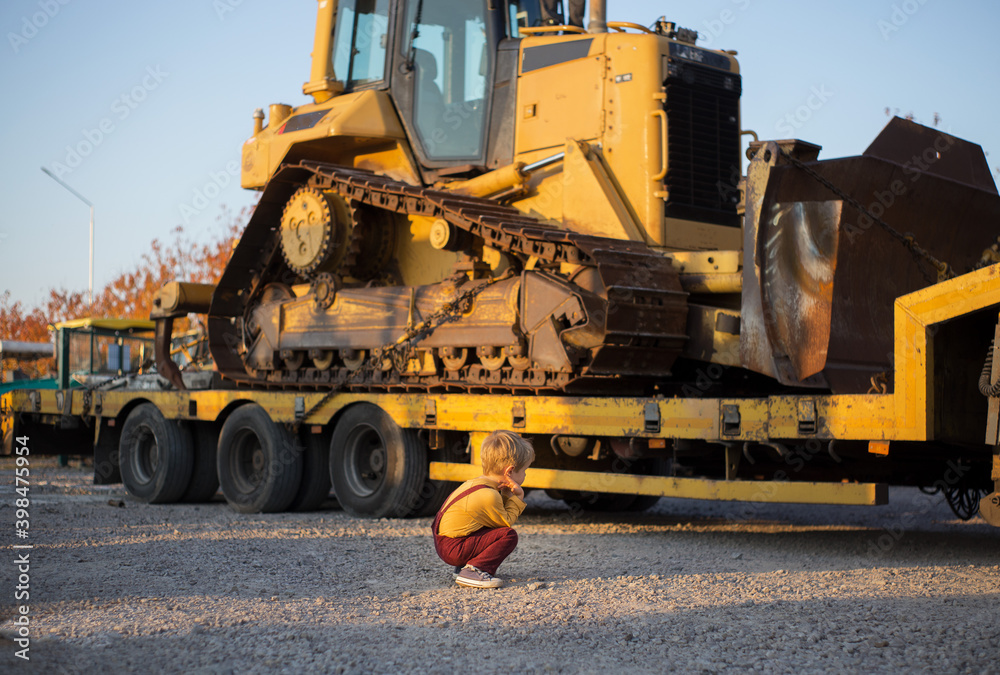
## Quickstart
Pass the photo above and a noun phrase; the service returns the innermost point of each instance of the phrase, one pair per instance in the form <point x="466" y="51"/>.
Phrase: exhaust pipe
<point x="597" y="21"/>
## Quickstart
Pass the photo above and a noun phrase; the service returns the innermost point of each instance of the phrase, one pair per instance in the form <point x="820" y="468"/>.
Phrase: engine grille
<point x="703" y="143"/>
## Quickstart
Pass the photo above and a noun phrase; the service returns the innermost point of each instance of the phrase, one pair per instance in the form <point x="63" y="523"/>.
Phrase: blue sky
<point x="164" y="92"/>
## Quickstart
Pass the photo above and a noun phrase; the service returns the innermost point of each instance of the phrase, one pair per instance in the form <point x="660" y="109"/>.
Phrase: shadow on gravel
<point x="841" y="635"/>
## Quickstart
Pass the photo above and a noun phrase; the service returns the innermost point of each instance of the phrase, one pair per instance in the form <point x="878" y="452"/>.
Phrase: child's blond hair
<point x="505" y="448"/>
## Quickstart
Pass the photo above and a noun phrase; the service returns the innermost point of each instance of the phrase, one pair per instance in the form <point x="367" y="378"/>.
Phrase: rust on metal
<point x="819" y="290"/>
<point x="541" y="330"/>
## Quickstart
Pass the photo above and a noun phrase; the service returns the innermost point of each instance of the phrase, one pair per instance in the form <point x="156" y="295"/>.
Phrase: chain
<point x="944" y="270"/>
<point x="400" y="351"/>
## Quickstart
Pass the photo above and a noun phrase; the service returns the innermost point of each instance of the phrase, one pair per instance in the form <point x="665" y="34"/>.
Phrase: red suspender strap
<point x="466" y="493"/>
<point x="462" y="496"/>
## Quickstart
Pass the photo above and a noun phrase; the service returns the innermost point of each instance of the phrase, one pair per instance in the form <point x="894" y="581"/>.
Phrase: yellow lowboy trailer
<point x="395" y="454"/>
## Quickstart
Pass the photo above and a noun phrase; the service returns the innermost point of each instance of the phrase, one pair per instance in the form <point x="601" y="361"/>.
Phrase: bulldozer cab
<point x="438" y="59"/>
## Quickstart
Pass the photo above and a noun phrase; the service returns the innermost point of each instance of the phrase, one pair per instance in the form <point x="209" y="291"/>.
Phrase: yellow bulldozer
<point x="478" y="200"/>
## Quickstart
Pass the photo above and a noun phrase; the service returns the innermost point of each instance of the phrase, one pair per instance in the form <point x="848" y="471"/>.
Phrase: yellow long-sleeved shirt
<point x="482" y="508"/>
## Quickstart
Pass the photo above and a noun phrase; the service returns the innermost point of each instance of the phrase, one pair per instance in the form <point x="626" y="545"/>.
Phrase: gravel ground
<point x="688" y="586"/>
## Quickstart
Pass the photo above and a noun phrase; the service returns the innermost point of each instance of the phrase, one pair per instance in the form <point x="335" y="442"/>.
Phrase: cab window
<point x="521" y="14"/>
<point x="360" y="37"/>
<point x="450" y="57"/>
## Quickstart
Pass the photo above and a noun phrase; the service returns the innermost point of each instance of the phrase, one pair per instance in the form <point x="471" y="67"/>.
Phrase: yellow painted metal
<point x="712" y="283"/>
<point x="278" y="113"/>
<point x="868" y="494"/>
<point x="6" y="424"/>
<point x="499" y="180"/>
<point x="420" y="227"/>
<point x="363" y="123"/>
<point x="592" y="201"/>
<point x="476" y="439"/>
<point x="914" y="314"/>
<point x="754" y="416"/>
<point x="418" y="261"/>
<point x="109" y="324"/>
<point x="323" y="84"/>
<point x="661" y="115"/>
<point x="620" y="26"/>
<point x="532" y="30"/>
<point x="621" y="112"/>
<point x="562" y="107"/>
<point x="706" y="262"/>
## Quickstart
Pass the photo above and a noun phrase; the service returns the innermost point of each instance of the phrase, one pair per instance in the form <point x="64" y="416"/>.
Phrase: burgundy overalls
<point x="484" y="549"/>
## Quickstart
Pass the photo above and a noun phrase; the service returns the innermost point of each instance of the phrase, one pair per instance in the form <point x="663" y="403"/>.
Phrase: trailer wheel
<point x="377" y="468"/>
<point x="315" y="486"/>
<point x="597" y="502"/>
<point x="259" y="464"/>
<point x="643" y="503"/>
<point x="155" y="455"/>
<point x="205" y="476"/>
<point x="432" y="497"/>
<point x="434" y="492"/>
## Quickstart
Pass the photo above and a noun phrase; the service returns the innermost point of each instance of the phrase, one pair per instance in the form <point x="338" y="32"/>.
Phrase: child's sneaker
<point x="476" y="578"/>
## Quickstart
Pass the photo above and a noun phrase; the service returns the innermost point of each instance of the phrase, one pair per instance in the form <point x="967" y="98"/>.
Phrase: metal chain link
<point x="944" y="270"/>
<point x="400" y="351"/>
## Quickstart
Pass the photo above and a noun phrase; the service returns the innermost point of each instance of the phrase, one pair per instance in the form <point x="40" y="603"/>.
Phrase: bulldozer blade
<point x="820" y="287"/>
<point x="800" y="261"/>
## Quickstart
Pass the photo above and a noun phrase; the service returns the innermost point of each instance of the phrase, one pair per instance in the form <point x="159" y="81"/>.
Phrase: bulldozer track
<point x="645" y="313"/>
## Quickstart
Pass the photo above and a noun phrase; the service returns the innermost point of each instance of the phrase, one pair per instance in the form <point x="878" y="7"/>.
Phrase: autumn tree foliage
<point x="128" y="296"/>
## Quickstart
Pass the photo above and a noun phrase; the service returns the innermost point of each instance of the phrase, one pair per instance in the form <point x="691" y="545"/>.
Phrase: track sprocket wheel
<point x="313" y="231"/>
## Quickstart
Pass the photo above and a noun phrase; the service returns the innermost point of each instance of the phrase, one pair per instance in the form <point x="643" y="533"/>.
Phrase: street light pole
<point x="90" y="286"/>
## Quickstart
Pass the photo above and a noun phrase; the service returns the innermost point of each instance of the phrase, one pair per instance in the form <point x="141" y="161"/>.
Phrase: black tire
<point x="657" y="466"/>
<point x="597" y="502"/>
<point x="259" y="464"/>
<point x="156" y="456"/>
<point x="314" y="489"/>
<point x="205" y="475"/>
<point x="433" y="492"/>
<point x="377" y="468"/>
<point x="643" y="503"/>
<point x="432" y="496"/>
